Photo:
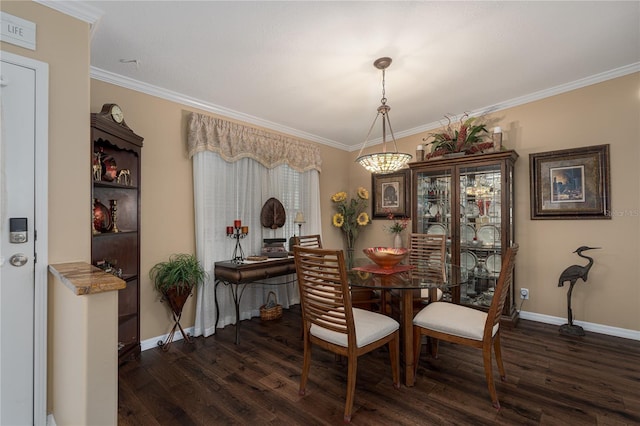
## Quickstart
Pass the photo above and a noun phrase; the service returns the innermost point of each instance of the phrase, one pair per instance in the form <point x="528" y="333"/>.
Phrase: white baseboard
<point x="51" y="421"/>
<point x="154" y="342"/>
<point x="532" y="316"/>
<point x="588" y="326"/>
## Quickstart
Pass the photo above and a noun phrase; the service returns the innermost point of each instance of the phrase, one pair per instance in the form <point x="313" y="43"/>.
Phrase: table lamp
<point x="299" y="219"/>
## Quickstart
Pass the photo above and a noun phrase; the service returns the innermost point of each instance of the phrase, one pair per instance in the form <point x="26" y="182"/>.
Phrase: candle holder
<point x="114" y="215"/>
<point x="237" y="232"/>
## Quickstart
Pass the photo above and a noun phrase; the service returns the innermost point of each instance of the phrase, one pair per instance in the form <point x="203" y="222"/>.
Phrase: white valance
<point x="233" y="141"/>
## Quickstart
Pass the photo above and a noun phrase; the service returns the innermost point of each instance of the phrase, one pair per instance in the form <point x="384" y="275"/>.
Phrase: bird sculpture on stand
<point x="571" y="274"/>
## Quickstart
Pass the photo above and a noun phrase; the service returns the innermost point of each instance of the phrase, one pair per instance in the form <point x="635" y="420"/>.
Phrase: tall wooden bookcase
<point x="115" y="242"/>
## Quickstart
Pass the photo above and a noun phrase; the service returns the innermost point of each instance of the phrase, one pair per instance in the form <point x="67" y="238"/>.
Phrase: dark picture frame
<point x="390" y="194"/>
<point x="571" y="183"/>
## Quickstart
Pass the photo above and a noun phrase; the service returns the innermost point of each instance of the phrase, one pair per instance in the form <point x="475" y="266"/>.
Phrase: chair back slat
<point x="324" y="290"/>
<point x="308" y="241"/>
<point x="427" y="254"/>
<point x="503" y="288"/>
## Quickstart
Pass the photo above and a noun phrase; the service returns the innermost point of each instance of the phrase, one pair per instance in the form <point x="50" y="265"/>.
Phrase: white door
<point x="20" y="291"/>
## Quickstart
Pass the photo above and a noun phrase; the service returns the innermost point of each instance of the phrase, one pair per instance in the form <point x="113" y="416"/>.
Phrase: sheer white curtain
<point x="226" y="191"/>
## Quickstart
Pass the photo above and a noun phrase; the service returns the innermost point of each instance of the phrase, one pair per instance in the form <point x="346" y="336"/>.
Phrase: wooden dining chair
<point x="360" y="297"/>
<point x="468" y="326"/>
<point x="330" y="321"/>
<point x="312" y="241"/>
<point x="427" y="255"/>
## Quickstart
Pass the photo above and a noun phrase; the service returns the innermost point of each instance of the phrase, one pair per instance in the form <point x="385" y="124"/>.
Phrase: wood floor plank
<point x="551" y="380"/>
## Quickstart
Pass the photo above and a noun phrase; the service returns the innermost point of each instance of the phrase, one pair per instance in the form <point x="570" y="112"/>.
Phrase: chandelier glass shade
<point x="383" y="162"/>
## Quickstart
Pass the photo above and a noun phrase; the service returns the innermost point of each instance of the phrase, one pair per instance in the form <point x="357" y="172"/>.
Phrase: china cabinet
<point x="115" y="200"/>
<point x="470" y="200"/>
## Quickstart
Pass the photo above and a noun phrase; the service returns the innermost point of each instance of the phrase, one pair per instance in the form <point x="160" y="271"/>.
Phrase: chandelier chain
<point x="384" y="96"/>
<point x="383" y="162"/>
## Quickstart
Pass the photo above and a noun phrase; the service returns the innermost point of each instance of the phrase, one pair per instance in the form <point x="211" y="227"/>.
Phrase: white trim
<point x="532" y="316"/>
<point x="154" y="342"/>
<point x="118" y="80"/>
<point x="588" y="326"/>
<point x="536" y="96"/>
<point x="129" y="83"/>
<point x="78" y="10"/>
<point x="93" y="15"/>
<point x="51" y="421"/>
<point x="41" y="227"/>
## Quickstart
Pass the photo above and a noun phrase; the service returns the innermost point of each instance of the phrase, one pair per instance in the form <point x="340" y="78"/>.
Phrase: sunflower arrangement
<point x="350" y="216"/>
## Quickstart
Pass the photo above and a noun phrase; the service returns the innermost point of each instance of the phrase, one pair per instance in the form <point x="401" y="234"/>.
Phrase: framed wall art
<point x="571" y="183"/>
<point x="390" y="194"/>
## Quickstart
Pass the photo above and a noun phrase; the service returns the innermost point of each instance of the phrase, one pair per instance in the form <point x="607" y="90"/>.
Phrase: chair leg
<point x="417" y="340"/>
<point x="433" y="346"/>
<point x="351" y="386"/>
<point x="488" y="372"/>
<point x="306" y="363"/>
<point x="394" y="354"/>
<point x="498" y="351"/>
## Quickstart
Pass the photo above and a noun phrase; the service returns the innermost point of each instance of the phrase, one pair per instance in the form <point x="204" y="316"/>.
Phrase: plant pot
<point x="454" y="154"/>
<point x="176" y="300"/>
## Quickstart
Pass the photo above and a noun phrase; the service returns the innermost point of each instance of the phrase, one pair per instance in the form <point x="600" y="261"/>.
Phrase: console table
<point x="238" y="275"/>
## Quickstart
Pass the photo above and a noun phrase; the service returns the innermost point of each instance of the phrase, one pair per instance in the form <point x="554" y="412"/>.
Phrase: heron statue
<point x="571" y="274"/>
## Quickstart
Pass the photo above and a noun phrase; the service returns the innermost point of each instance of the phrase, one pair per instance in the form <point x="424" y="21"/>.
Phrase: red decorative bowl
<point x="386" y="257"/>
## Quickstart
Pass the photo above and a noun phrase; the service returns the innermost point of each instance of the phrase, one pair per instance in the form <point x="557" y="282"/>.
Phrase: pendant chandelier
<point x="383" y="162"/>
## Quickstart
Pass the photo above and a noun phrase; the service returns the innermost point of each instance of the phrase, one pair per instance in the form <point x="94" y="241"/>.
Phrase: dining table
<point x="403" y="280"/>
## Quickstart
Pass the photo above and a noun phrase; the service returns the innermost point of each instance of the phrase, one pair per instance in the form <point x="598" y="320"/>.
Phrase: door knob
<point x="18" y="259"/>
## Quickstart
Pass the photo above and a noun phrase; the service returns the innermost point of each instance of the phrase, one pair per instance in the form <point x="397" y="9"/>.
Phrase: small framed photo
<point x="571" y="183"/>
<point x="390" y="195"/>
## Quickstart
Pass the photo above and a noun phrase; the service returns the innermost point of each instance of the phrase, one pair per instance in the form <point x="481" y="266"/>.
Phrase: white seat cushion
<point x="453" y="319"/>
<point x="370" y="326"/>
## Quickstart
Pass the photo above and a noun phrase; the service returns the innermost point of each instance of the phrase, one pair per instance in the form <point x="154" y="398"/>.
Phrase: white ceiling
<point x="306" y="68"/>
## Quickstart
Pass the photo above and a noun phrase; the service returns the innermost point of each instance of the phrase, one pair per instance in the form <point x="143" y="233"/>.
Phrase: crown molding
<point x="81" y="11"/>
<point x="128" y="83"/>
<point x="118" y="80"/>
<point x="92" y="15"/>
<point x="536" y="96"/>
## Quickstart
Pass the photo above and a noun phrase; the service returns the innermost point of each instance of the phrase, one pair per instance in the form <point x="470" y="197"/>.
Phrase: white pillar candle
<point x="497" y="139"/>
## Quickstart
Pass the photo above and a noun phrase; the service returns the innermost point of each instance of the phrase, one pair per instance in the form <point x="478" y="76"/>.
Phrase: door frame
<point x="41" y="228"/>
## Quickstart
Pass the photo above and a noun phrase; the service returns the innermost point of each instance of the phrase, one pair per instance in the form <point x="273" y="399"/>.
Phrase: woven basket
<point x="270" y="310"/>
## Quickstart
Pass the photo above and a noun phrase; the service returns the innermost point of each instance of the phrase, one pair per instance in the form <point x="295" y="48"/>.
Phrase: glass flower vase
<point x="397" y="240"/>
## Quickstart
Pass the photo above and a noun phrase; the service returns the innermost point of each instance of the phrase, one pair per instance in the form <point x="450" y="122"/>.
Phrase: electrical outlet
<point x="524" y="293"/>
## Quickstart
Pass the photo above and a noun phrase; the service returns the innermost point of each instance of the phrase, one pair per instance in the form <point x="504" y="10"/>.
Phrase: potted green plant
<point x="176" y="278"/>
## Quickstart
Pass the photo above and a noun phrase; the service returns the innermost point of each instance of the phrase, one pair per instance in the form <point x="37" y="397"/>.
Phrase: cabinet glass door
<point x="480" y="232"/>
<point x="434" y="209"/>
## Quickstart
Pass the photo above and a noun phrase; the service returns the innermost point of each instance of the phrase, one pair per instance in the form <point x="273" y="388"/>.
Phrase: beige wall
<point x="63" y="43"/>
<point x="601" y="113"/>
<point x="604" y="113"/>
<point x="167" y="212"/>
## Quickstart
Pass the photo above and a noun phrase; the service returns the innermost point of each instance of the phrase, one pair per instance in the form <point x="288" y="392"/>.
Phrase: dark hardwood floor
<point x="551" y="380"/>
